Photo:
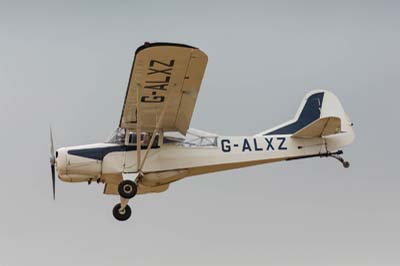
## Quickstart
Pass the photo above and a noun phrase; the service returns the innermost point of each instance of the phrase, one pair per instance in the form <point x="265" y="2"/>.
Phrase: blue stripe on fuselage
<point x="100" y="152"/>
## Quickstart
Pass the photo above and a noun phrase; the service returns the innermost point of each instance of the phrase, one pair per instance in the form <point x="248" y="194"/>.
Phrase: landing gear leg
<point x="336" y="155"/>
<point x="127" y="189"/>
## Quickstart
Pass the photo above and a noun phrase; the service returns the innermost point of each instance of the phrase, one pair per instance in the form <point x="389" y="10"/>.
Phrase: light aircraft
<point x="162" y="91"/>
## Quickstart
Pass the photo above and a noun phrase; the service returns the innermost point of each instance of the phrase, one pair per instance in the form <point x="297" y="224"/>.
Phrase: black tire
<point x="127" y="189"/>
<point x="122" y="216"/>
<point x="346" y="164"/>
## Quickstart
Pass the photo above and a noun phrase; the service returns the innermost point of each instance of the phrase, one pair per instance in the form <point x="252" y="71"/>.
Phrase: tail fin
<point x="320" y="114"/>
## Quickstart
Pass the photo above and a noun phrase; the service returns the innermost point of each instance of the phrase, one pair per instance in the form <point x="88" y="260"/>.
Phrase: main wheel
<point x="127" y="189"/>
<point x="346" y="164"/>
<point x="122" y="215"/>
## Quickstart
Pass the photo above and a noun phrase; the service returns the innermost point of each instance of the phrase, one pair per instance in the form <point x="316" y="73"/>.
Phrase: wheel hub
<point x="127" y="188"/>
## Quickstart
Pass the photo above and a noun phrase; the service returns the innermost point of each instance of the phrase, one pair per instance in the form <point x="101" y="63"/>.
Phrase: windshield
<point x="117" y="136"/>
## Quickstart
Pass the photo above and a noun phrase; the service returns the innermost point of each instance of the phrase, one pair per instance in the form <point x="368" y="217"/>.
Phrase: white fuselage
<point x="171" y="162"/>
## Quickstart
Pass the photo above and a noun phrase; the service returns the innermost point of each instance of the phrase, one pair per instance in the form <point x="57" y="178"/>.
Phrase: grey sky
<point x="68" y="63"/>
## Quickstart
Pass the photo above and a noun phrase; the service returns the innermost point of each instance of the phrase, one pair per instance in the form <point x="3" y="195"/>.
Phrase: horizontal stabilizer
<point x="320" y="128"/>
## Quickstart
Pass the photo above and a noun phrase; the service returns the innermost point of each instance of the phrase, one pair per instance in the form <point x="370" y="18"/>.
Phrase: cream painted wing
<point x="163" y="75"/>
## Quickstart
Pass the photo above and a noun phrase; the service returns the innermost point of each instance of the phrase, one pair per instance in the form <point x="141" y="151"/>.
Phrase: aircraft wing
<point x="163" y="75"/>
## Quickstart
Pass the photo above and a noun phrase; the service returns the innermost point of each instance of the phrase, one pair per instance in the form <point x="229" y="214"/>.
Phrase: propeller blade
<point x="52" y="164"/>
<point x="52" y="157"/>
<point x="53" y="179"/>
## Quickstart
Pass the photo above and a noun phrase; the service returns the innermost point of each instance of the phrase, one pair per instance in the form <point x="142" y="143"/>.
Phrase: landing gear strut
<point x="127" y="189"/>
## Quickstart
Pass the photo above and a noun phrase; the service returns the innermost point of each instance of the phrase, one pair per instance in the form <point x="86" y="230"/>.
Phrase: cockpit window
<point x="117" y="137"/>
<point x="144" y="138"/>
<point x="193" y="138"/>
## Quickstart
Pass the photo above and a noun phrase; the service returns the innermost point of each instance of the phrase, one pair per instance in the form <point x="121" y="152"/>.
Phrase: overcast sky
<point x="67" y="63"/>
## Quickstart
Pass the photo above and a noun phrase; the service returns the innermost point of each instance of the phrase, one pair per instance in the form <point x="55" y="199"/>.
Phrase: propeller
<point x="52" y="164"/>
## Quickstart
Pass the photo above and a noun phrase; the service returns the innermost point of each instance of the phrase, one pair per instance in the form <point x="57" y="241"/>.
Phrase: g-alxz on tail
<point x="153" y="145"/>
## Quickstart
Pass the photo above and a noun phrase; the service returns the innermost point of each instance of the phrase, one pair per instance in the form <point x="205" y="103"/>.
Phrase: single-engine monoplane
<point x="153" y="145"/>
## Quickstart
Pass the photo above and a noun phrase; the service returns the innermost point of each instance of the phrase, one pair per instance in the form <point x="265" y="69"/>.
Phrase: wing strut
<point x="140" y="162"/>
<point x="156" y="130"/>
<point x="138" y="128"/>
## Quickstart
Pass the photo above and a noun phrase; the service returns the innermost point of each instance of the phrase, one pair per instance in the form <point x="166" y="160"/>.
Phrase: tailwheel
<point x="127" y="189"/>
<point x="337" y="156"/>
<point x="122" y="214"/>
